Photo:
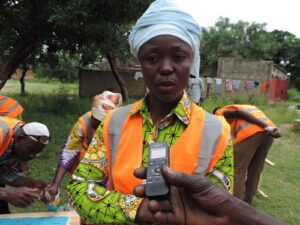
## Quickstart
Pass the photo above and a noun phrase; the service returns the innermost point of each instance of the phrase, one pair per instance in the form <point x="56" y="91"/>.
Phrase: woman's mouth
<point x="165" y="85"/>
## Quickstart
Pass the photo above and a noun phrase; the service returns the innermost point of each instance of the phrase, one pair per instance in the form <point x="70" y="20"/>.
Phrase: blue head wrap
<point x="164" y="17"/>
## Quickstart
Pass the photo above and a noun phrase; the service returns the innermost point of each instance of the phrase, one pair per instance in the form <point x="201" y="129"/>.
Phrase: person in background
<point x="165" y="40"/>
<point x="196" y="89"/>
<point x="80" y="137"/>
<point x="19" y="144"/>
<point x="197" y="201"/>
<point x="253" y="134"/>
<point x="9" y="107"/>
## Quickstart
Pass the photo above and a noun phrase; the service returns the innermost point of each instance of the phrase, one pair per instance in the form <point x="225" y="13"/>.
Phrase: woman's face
<point x="26" y="149"/>
<point x="166" y="63"/>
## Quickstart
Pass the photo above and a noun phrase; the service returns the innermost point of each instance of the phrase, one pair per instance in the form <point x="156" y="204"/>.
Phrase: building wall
<point x="235" y="68"/>
<point x="262" y="73"/>
<point x="92" y="82"/>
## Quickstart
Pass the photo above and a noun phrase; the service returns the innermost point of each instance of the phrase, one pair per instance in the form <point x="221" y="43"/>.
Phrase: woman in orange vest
<point x="9" y="107"/>
<point x="19" y="144"/>
<point x="253" y="134"/>
<point x="166" y="42"/>
<point x="81" y="136"/>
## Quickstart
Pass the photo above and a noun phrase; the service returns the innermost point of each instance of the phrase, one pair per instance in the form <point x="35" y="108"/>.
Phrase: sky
<point x="277" y="14"/>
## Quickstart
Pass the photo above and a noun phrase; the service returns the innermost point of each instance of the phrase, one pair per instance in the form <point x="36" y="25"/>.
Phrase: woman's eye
<point x="152" y="58"/>
<point x="179" y="57"/>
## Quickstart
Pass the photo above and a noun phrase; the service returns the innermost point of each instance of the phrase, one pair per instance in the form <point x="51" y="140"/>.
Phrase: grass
<point x="281" y="182"/>
<point x="39" y="86"/>
<point x="58" y="106"/>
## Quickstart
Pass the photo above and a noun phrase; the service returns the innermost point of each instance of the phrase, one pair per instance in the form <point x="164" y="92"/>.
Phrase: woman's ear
<point x="19" y="134"/>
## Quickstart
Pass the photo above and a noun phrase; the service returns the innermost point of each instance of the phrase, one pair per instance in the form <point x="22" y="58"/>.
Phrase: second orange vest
<point x="88" y="133"/>
<point x="7" y="126"/>
<point x="241" y="129"/>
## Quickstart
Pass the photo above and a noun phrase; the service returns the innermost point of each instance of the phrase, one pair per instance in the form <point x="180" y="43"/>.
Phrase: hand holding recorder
<point x="196" y="201"/>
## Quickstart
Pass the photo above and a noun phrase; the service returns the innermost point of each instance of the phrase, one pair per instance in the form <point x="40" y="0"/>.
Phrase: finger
<point x="154" y="206"/>
<point x="33" y="193"/>
<point x="25" y="201"/>
<point x="140" y="173"/>
<point x="192" y="183"/>
<point x="139" y="191"/>
<point x="164" y="218"/>
<point x="176" y="201"/>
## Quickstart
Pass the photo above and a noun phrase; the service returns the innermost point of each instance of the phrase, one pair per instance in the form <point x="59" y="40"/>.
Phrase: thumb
<point x="191" y="183"/>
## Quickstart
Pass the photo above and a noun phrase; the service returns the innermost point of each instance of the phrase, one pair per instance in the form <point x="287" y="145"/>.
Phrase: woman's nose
<point x="166" y="67"/>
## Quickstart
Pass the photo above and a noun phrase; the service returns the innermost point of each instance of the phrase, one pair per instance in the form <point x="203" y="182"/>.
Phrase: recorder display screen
<point x="159" y="152"/>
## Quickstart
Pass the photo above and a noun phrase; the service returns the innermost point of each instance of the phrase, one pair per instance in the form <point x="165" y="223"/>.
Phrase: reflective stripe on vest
<point x="88" y="133"/>
<point x="87" y="130"/>
<point x="7" y="126"/>
<point x="242" y="129"/>
<point x="10" y="107"/>
<point x="200" y="156"/>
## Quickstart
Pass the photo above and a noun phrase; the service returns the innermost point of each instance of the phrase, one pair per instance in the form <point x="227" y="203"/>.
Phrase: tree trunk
<point x="22" y="80"/>
<point x="8" y="68"/>
<point x="118" y="78"/>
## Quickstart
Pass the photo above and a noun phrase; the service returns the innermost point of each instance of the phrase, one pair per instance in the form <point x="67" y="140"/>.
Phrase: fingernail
<point x="170" y="171"/>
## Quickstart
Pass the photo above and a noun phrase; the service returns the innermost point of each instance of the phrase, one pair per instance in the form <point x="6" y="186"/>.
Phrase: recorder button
<point x="157" y="179"/>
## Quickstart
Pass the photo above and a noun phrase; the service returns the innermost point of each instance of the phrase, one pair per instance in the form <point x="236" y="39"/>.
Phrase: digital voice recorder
<point x="158" y="157"/>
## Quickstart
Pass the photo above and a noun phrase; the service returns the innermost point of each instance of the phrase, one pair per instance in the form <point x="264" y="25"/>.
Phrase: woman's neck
<point x="158" y="109"/>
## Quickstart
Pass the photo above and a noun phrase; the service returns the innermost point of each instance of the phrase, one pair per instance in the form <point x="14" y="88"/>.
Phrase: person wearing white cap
<point x="19" y="144"/>
<point x="80" y="137"/>
<point x="165" y="41"/>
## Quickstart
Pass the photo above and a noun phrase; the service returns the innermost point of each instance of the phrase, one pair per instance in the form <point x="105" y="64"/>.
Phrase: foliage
<point x="294" y="95"/>
<point x="288" y="54"/>
<point x="29" y="28"/>
<point x="250" y="41"/>
<point x="240" y="40"/>
<point x="61" y="66"/>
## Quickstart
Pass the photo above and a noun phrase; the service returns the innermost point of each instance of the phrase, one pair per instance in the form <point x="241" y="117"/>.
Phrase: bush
<point x="294" y="95"/>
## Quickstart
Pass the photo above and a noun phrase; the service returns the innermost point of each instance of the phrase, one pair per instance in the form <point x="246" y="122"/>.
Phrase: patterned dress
<point x="87" y="190"/>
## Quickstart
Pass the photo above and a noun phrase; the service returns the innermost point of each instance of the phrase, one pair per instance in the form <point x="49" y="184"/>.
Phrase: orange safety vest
<point x="9" y="107"/>
<point x="87" y="132"/>
<point x="241" y="129"/>
<point x="197" y="151"/>
<point x="7" y="127"/>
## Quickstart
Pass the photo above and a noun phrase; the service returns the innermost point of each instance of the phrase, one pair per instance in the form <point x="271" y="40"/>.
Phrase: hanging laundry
<point x="236" y="85"/>
<point x="218" y="89"/>
<point x="249" y="84"/>
<point x="209" y="80"/>
<point x="256" y="84"/>
<point x="263" y="87"/>
<point x="228" y="85"/>
<point x="218" y="81"/>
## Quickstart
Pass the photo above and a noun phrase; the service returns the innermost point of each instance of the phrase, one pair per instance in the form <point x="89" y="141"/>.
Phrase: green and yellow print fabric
<point x="88" y="191"/>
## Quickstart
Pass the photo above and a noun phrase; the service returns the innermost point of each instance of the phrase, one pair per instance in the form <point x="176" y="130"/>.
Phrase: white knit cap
<point x="36" y="129"/>
<point x="165" y="17"/>
<point x="104" y="102"/>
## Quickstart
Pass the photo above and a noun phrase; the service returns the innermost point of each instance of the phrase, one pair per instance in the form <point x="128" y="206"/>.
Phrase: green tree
<point x="240" y="40"/>
<point x="24" y="28"/>
<point x="288" y="54"/>
<point x="86" y="28"/>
